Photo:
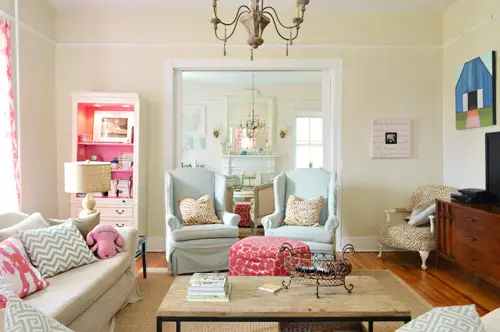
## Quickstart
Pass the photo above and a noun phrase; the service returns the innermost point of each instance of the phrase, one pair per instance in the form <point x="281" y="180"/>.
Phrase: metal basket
<point x="323" y="270"/>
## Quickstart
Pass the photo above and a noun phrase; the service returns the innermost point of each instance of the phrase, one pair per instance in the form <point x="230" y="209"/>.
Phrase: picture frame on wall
<point x="194" y="127"/>
<point x="113" y="126"/>
<point x="390" y="138"/>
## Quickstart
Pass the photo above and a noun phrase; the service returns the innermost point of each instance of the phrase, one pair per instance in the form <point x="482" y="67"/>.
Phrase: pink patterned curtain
<point x="239" y="137"/>
<point x="10" y="192"/>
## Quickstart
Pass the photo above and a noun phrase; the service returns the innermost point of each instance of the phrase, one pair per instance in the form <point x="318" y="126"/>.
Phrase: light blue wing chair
<point x="198" y="248"/>
<point x="305" y="183"/>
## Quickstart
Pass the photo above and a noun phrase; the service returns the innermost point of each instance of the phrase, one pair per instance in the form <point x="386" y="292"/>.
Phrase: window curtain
<point x="10" y="190"/>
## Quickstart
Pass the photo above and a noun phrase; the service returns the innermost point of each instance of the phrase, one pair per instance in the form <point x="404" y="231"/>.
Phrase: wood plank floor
<point x="448" y="285"/>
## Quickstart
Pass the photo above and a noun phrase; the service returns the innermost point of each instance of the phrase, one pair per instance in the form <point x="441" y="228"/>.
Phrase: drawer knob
<point x="470" y="219"/>
<point x="470" y="238"/>
<point x="471" y="258"/>
<point x="120" y="212"/>
<point x="120" y="225"/>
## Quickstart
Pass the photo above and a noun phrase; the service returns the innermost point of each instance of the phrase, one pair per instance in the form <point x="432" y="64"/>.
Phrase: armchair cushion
<point x="408" y="237"/>
<point x="198" y="212"/>
<point x="199" y="232"/>
<point x="301" y="212"/>
<point x="301" y="233"/>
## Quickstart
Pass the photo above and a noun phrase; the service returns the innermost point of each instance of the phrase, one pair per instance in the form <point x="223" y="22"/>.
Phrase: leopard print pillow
<point x="303" y="212"/>
<point x="198" y="212"/>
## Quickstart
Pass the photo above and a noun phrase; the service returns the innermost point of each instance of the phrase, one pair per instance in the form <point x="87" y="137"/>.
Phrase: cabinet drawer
<point x="473" y="259"/>
<point x="115" y="212"/>
<point x="485" y="243"/>
<point x="118" y="223"/>
<point x="476" y="221"/>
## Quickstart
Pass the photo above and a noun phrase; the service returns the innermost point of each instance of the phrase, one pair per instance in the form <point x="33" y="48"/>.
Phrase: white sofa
<point x="87" y="298"/>
<point x="491" y="321"/>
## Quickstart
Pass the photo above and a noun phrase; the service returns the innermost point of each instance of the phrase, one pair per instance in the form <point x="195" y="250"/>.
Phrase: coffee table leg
<point x="177" y="326"/>
<point x="370" y="326"/>
<point x="144" y="273"/>
<point x="158" y="324"/>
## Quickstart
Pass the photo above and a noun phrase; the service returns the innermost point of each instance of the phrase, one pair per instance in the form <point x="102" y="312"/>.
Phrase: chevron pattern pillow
<point x="20" y="316"/>
<point x="457" y="318"/>
<point x="56" y="249"/>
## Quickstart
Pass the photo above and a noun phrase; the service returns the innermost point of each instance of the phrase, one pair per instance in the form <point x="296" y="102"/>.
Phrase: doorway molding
<point x="332" y="74"/>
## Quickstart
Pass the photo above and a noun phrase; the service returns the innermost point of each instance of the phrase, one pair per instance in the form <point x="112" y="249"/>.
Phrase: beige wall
<point x="38" y="117"/>
<point x="392" y="68"/>
<point x="463" y="151"/>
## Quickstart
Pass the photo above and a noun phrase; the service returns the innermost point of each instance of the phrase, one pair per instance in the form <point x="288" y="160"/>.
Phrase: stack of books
<point x="125" y="160"/>
<point x="209" y="287"/>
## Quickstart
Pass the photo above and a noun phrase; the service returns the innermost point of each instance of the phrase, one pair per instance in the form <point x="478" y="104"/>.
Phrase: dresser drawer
<point x="117" y="212"/>
<point x="473" y="259"/>
<point x="118" y="223"/>
<point x="477" y="221"/>
<point x="483" y="242"/>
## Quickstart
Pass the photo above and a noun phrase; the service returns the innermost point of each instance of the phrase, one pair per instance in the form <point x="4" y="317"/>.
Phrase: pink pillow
<point x="17" y="274"/>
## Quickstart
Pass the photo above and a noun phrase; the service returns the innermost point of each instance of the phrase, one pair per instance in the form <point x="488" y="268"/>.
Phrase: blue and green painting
<point x="475" y="93"/>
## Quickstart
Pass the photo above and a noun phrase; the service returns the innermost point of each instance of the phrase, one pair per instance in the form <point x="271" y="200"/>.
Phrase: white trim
<point x="155" y="244"/>
<point x="15" y="19"/>
<point x="361" y="243"/>
<point x="238" y="46"/>
<point x="481" y="24"/>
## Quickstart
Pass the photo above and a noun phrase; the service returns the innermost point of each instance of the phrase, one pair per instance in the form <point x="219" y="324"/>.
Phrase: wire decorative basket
<point x="320" y="270"/>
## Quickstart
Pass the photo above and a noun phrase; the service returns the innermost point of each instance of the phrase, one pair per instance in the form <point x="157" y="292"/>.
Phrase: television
<point x="493" y="163"/>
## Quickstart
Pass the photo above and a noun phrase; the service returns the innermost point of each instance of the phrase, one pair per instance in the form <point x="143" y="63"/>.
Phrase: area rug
<point x="141" y="316"/>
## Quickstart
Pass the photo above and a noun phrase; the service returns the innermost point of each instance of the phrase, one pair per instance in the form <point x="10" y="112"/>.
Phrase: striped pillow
<point x="303" y="212"/>
<point x="198" y="212"/>
<point x="56" y="249"/>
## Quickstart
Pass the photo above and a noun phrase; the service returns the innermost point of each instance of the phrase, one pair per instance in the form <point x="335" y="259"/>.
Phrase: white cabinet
<point x="112" y="127"/>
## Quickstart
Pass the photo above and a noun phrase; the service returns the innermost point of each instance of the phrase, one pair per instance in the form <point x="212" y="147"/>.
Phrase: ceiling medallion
<point x="255" y="19"/>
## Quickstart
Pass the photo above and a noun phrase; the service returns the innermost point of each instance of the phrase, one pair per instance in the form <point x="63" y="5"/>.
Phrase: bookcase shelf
<point x="108" y="126"/>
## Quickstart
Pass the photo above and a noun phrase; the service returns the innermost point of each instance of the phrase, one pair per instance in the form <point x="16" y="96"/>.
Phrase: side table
<point x="141" y="252"/>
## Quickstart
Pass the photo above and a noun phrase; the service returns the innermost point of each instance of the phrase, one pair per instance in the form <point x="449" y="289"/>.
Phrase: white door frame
<point x="331" y="103"/>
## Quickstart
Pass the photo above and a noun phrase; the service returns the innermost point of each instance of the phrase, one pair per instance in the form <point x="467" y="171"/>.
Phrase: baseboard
<point x="361" y="243"/>
<point x="155" y="244"/>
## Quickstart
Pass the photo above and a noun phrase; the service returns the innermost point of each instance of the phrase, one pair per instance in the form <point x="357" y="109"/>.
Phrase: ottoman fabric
<point x="243" y="210"/>
<point x="260" y="256"/>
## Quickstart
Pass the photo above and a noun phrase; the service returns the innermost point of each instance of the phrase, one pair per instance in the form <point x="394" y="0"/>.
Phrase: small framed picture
<point x="391" y="138"/>
<point x="113" y="126"/>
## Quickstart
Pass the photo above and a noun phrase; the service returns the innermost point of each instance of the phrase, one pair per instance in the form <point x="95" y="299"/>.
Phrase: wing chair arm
<point x="432" y="222"/>
<point x="273" y="220"/>
<point x="331" y="224"/>
<point x="230" y="219"/>
<point x="389" y="212"/>
<point x="172" y="222"/>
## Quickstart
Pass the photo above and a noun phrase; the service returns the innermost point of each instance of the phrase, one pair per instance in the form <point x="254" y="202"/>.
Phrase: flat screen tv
<point x="493" y="163"/>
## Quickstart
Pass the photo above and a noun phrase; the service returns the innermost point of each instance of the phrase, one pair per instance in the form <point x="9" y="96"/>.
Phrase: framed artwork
<point x="194" y="127"/>
<point x="391" y="139"/>
<point x="113" y="126"/>
<point x="475" y="92"/>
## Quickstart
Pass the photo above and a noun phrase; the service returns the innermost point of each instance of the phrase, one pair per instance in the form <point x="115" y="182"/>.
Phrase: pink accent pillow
<point x="17" y="275"/>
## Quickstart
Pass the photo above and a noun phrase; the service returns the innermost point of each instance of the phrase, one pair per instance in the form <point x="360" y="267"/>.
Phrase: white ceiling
<point x="202" y="5"/>
<point x="245" y="77"/>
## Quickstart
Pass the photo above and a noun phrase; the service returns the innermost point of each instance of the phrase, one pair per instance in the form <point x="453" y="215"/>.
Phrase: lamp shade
<point x="87" y="177"/>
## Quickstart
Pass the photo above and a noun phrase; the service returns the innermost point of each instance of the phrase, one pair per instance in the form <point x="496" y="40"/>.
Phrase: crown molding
<point x="478" y="26"/>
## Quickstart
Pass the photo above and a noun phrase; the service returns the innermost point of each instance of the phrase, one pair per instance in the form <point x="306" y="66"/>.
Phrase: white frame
<point x="99" y="114"/>
<point x="379" y="130"/>
<point x="331" y="105"/>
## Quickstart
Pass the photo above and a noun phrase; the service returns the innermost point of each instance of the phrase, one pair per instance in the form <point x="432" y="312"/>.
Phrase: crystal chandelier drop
<point x="255" y="18"/>
<point x="253" y="125"/>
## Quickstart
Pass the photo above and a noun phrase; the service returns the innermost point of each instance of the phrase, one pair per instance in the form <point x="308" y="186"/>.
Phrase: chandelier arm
<point x="232" y="32"/>
<point x="278" y="31"/>
<point x="245" y="9"/>
<point x="265" y="11"/>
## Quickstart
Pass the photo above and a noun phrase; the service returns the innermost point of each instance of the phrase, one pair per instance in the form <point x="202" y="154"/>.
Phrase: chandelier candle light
<point x="255" y="18"/>
<point x="253" y="124"/>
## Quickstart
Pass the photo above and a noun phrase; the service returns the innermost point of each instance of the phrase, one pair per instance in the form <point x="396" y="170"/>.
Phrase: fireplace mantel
<point x="234" y="164"/>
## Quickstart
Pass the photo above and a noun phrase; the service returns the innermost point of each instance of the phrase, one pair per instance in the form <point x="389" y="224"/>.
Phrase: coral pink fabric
<point x="9" y="158"/>
<point x="260" y="256"/>
<point x="243" y="210"/>
<point x="17" y="275"/>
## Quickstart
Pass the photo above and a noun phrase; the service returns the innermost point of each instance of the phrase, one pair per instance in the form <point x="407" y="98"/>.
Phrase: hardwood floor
<point x="445" y="286"/>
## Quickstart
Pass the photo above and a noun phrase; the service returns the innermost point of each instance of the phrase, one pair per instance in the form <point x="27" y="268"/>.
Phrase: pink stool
<point x="260" y="256"/>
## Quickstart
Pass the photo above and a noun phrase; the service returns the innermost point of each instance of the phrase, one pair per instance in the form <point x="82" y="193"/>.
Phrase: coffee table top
<point x="368" y="299"/>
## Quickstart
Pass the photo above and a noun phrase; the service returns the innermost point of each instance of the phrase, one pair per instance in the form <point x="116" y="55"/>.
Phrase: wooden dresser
<point x="469" y="235"/>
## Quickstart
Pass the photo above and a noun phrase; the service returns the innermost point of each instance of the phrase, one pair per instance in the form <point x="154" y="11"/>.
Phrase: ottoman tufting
<point x="260" y="256"/>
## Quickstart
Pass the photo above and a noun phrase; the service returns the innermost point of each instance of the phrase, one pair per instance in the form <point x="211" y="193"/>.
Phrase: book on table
<point x="209" y="287"/>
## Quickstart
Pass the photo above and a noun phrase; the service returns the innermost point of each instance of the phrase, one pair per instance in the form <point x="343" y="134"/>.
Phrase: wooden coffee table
<point x="368" y="302"/>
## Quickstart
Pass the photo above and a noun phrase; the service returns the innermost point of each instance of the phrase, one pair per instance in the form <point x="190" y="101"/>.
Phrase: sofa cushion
<point x="198" y="232"/>
<point x="404" y="236"/>
<point x="72" y="292"/>
<point x="301" y="233"/>
<point x="34" y="221"/>
<point x="17" y="275"/>
<point x="56" y="249"/>
<point x="20" y="316"/>
<point x="84" y="224"/>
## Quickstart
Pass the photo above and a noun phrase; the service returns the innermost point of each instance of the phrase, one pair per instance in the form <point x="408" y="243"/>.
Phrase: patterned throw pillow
<point x="303" y="212"/>
<point x="56" y="249"/>
<point x="17" y="275"/>
<point x="457" y="318"/>
<point x="198" y="212"/>
<point x="20" y="316"/>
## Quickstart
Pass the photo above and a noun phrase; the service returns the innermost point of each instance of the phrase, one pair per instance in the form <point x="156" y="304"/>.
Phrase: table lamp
<point x="87" y="177"/>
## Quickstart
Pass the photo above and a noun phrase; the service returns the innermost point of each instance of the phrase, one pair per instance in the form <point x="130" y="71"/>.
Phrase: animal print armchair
<point x="417" y="234"/>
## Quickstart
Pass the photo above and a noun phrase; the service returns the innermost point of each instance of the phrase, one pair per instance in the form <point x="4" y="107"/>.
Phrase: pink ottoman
<point x="260" y="256"/>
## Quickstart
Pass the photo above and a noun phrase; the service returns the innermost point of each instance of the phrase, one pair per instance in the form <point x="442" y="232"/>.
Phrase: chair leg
<point x="424" y="255"/>
<point x="380" y="248"/>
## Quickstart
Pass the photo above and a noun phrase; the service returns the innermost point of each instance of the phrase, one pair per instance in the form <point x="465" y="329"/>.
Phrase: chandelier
<point x="255" y="18"/>
<point x="253" y="124"/>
